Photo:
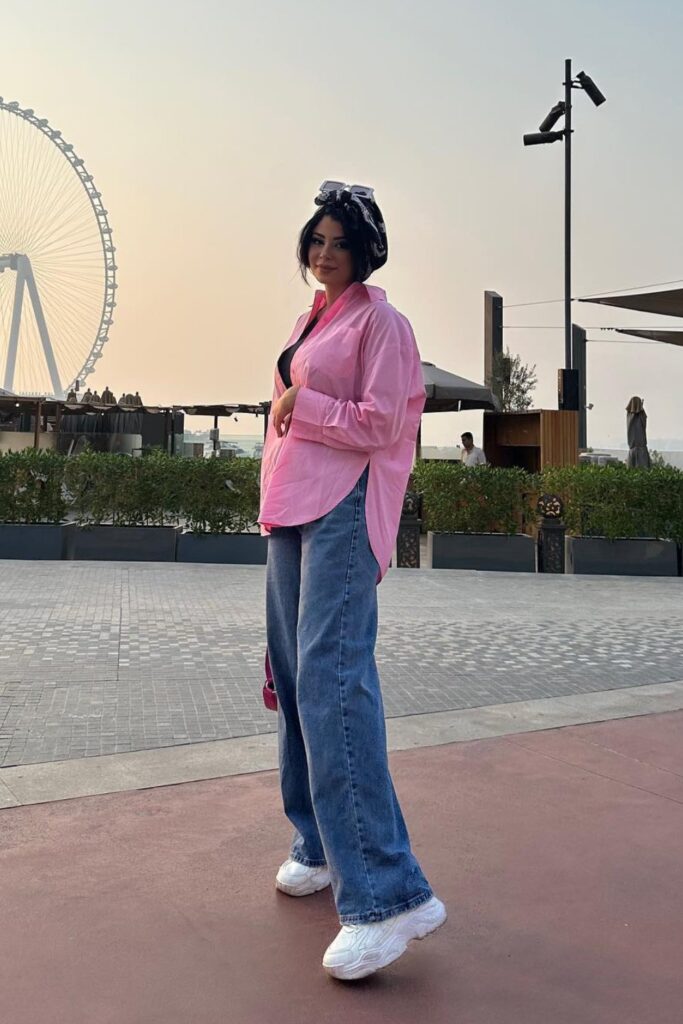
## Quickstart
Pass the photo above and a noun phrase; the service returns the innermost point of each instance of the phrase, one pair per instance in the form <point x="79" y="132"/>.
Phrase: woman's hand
<point x="282" y="410"/>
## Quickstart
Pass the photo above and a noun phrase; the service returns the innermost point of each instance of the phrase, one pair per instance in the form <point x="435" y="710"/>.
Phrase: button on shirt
<point x="473" y="457"/>
<point x="361" y="396"/>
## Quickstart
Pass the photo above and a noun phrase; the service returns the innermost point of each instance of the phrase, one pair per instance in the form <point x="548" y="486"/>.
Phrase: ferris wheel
<point x="57" y="269"/>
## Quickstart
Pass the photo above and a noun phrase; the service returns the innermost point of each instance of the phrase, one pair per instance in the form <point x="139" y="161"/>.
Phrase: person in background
<point x="471" y="456"/>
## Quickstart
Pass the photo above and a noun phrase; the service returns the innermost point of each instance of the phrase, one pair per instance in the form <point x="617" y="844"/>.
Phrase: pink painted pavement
<point x="559" y="855"/>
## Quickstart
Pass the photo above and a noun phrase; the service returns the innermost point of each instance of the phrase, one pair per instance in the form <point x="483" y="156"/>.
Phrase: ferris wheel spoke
<point x="46" y="179"/>
<point x="67" y="316"/>
<point x="57" y="194"/>
<point x="29" y="185"/>
<point x="73" y="313"/>
<point x="66" y="312"/>
<point x="60" y="252"/>
<point x="60" y="234"/>
<point x="7" y="180"/>
<point x="68" y="214"/>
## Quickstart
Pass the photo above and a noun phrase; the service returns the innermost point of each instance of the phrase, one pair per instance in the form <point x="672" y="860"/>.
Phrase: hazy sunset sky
<point x="209" y="126"/>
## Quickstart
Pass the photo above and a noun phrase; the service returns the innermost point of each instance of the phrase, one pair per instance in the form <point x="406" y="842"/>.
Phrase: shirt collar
<point x="355" y="290"/>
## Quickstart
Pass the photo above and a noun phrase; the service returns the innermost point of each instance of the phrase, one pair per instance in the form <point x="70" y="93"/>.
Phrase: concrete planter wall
<point x="495" y="552"/>
<point x="32" y="540"/>
<point x="121" y="543"/>
<point x="224" y="548"/>
<point x="639" y="556"/>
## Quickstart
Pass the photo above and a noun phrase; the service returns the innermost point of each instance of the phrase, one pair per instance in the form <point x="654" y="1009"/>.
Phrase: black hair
<point x="468" y="435"/>
<point x="357" y="236"/>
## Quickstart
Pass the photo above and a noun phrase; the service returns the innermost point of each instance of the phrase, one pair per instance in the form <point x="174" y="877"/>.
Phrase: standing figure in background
<point x="471" y="456"/>
<point x="636" y="432"/>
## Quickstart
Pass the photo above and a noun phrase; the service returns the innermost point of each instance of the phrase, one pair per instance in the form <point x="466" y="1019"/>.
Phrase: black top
<point x="284" y="363"/>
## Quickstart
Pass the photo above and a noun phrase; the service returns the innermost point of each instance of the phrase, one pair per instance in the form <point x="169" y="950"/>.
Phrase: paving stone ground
<point x="106" y="657"/>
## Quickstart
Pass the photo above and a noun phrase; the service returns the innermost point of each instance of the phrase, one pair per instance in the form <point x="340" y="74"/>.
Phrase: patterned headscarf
<point x="365" y="215"/>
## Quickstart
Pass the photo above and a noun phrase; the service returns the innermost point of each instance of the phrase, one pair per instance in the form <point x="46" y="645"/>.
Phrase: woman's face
<point x="329" y="257"/>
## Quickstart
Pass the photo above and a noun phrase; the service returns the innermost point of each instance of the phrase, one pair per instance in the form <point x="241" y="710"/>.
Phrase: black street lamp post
<point x="546" y="135"/>
<point x="568" y="215"/>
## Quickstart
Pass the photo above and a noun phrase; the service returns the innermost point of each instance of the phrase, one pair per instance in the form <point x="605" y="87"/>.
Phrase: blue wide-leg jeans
<point x="321" y="602"/>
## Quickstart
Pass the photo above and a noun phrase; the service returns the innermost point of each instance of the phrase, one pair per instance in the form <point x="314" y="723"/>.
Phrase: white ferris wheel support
<point x="56" y="239"/>
<point x="22" y="265"/>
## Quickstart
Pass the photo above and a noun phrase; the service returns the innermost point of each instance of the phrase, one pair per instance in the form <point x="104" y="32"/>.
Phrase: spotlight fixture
<point x="588" y="85"/>
<point x="553" y="117"/>
<point x="541" y="138"/>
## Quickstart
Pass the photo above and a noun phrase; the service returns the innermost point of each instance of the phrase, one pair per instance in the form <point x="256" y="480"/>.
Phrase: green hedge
<point x="222" y="495"/>
<point x="615" y="501"/>
<point x="600" y="501"/>
<point x="219" y="495"/>
<point x="31" y="488"/>
<point x="480" y="499"/>
<point x="204" y="495"/>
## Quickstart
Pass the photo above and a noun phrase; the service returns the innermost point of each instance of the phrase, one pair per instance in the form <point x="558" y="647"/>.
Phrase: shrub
<point x="600" y="501"/>
<point x="481" y="499"/>
<point x="615" y="501"/>
<point x="106" y="488"/>
<point x="31" y="487"/>
<point x="205" y="495"/>
<point x="219" y="495"/>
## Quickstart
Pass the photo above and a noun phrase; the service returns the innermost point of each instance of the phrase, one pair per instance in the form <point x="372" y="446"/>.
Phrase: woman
<point x="338" y="452"/>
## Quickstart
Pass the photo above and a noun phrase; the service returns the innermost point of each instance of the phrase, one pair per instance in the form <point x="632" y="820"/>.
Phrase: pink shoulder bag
<point x="269" y="694"/>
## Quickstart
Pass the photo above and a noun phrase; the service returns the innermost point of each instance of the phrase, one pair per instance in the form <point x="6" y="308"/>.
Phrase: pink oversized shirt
<point x="360" y="400"/>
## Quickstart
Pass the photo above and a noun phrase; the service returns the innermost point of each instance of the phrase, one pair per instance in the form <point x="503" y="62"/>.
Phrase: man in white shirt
<point x="471" y="456"/>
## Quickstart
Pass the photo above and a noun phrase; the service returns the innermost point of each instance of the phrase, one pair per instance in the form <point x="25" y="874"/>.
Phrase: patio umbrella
<point x="446" y="392"/>
<point x="636" y="430"/>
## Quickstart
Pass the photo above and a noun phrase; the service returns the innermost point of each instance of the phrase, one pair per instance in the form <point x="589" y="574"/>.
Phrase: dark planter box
<point x="121" y="543"/>
<point x="638" y="556"/>
<point x="495" y="552"/>
<point x="224" y="548"/>
<point x="32" y="540"/>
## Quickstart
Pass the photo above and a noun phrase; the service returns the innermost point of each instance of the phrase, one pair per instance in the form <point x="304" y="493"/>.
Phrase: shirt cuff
<point x="310" y="412"/>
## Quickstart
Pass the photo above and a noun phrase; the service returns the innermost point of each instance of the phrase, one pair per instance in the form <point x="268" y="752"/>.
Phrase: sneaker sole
<point x="362" y="968"/>
<point x="295" y="890"/>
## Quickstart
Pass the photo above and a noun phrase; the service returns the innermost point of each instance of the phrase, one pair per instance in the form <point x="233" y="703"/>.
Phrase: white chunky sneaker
<point x="298" y="880"/>
<point x="361" y="949"/>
